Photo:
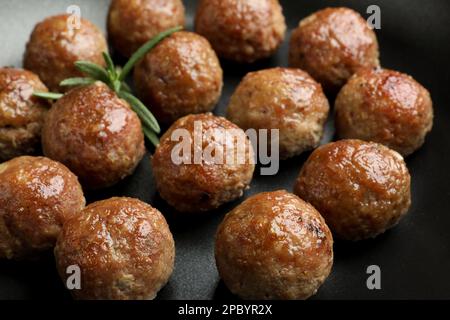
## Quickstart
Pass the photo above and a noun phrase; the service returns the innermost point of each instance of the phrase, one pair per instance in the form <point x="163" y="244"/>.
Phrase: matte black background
<point x="414" y="257"/>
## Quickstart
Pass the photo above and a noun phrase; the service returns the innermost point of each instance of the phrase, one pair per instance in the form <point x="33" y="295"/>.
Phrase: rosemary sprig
<point x="93" y="70"/>
<point x="109" y="65"/>
<point x="125" y="87"/>
<point x="144" y="49"/>
<point x="47" y="95"/>
<point x="144" y="114"/>
<point x="114" y="77"/>
<point x="151" y="136"/>
<point x="77" y="82"/>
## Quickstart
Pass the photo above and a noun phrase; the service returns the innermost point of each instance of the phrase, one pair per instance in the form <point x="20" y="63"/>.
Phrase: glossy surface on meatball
<point x="241" y="30"/>
<point x="95" y="134"/>
<point x="331" y="45"/>
<point x="180" y="76"/>
<point x="360" y="188"/>
<point x="285" y="99"/>
<point x="55" y="45"/>
<point x="123" y="247"/>
<point x="384" y="106"/>
<point x="131" y="23"/>
<point x="21" y="114"/>
<point x="37" y="195"/>
<point x="216" y="167"/>
<point x="274" y="246"/>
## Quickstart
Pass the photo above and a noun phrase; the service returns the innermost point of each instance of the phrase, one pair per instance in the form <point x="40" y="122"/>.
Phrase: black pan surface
<point x="414" y="257"/>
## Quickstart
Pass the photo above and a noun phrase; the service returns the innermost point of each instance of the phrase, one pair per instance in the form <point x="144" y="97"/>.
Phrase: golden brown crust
<point x="387" y="107"/>
<point x="180" y="76"/>
<point x="53" y="49"/>
<point x="360" y="188"/>
<point x="21" y="114"/>
<point x="131" y="23"/>
<point x="274" y="246"/>
<point x="285" y="99"/>
<point x="241" y="30"/>
<point x="202" y="187"/>
<point x="123" y="247"/>
<point x="331" y="45"/>
<point x="37" y="196"/>
<point x="95" y="134"/>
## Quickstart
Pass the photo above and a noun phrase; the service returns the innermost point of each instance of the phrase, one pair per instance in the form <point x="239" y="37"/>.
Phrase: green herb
<point x="125" y="87"/>
<point x="109" y="65"/>
<point x="114" y="77"/>
<point x="142" y="111"/>
<point x="93" y="70"/>
<point x="151" y="136"/>
<point x="140" y="53"/>
<point x="47" y="95"/>
<point x="77" y="82"/>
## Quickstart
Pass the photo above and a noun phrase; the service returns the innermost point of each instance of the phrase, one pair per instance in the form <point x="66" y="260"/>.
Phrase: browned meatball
<point x="331" y="45"/>
<point x="182" y="75"/>
<point x="274" y="246"/>
<point x="387" y="107"/>
<point x="21" y="114"/>
<point x="95" y="134"/>
<point x="123" y="248"/>
<point x="37" y="195"/>
<point x="54" y="47"/>
<point x="360" y="188"/>
<point x="285" y="99"/>
<point x="131" y="23"/>
<point x="241" y="30"/>
<point x="217" y="167"/>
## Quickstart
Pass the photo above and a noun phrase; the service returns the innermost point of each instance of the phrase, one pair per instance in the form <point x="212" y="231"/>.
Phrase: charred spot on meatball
<point x="180" y="76"/>
<point x="123" y="247"/>
<point x="384" y="106"/>
<point x="241" y="30"/>
<point x="21" y="114"/>
<point x="331" y="45"/>
<point x="95" y="134"/>
<point x="37" y="197"/>
<point x="54" y="47"/>
<point x="285" y="99"/>
<point x="360" y="188"/>
<point x="274" y="246"/>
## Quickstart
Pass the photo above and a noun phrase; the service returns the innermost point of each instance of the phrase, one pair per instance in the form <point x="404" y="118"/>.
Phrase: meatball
<point x="133" y="23"/>
<point x="331" y="45"/>
<point x="360" y="188"/>
<point x="241" y="30"/>
<point x="202" y="162"/>
<point x="285" y="99"/>
<point x="384" y="106"/>
<point x="274" y="246"/>
<point x="180" y="76"/>
<point x="21" y="114"/>
<point x="37" y="197"/>
<point x="123" y="248"/>
<point x="55" y="46"/>
<point x="95" y="134"/>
